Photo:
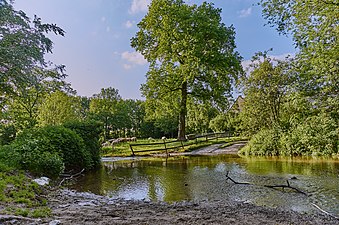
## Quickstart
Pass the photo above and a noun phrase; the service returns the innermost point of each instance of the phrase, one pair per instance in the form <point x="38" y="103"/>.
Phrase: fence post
<point x="165" y="147"/>
<point x="130" y="146"/>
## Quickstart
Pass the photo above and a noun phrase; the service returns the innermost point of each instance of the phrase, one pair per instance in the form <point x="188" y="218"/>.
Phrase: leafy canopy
<point x="191" y="53"/>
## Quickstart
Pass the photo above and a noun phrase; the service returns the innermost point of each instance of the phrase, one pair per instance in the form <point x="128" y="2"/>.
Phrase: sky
<point x="96" y="47"/>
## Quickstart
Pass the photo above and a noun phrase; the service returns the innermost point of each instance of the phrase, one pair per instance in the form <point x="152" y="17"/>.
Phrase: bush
<point x="264" y="143"/>
<point x="49" y="150"/>
<point x="90" y="132"/>
<point x="317" y="135"/>
<point x="7" y="134"/>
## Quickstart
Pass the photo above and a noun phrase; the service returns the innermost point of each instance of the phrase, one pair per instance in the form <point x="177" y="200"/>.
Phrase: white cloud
<point x="129" y="24"/>
<point x="245" y="12"/>
<point x="139" y="6"/>
<point x="134" y="58"/>
<point x="103" y="19"/>
<point x="127" y="66"/>
<point x="108" y="29"/>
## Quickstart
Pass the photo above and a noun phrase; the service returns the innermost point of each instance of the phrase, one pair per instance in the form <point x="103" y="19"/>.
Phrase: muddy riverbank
<point x="70" y="207"/>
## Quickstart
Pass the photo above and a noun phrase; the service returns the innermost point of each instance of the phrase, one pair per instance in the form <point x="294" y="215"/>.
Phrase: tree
<point x="103" y="107"/>
<point x="22" y="105"/>
<point x="59" y="108"/>
<point x="191" y="53"/>
<point x="265" y="92"/>
<point x="23" y="44"/>
<point x="199" y="116"/>
<point x="314" y="28"/>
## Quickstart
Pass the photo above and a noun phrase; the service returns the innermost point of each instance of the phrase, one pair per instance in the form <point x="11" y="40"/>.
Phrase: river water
<point x="203" y="178"/>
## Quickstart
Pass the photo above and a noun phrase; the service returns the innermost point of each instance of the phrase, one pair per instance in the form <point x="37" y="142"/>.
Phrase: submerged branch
<point x="235" y="182"/>
<point x="285" y="186"/>
<point x="71" y="177"/>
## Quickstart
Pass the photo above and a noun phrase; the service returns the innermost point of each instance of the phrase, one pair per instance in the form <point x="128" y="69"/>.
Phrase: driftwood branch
<point x="71" y="177"/>
<point x="269" y="186"/>
<point x="327" y="213"/>
<point x="285" y="186"/>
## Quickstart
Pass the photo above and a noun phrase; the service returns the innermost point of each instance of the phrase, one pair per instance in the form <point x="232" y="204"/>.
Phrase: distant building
<point x="237" y="105"/>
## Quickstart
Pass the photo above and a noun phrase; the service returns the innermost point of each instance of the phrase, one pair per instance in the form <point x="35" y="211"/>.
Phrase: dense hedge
<point x="47" y="151"/>
<point x="90" y="132"/>
<point x="317" y="136"/>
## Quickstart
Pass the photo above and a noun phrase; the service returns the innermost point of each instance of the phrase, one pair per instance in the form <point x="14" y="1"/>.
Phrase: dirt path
<point x="216" y="150"/>
<point x="213" y="150"/>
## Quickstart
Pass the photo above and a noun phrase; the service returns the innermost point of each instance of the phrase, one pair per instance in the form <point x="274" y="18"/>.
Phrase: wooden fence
<point x="176" y="144"/>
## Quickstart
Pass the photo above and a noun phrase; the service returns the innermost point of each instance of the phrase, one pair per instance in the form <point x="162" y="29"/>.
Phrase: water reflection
<point x="203" y="178"/>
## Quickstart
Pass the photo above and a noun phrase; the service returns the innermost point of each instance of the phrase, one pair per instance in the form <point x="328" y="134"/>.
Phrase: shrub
<point x="90" y="132"/>
<point x="264" y="143"/>
<point x="48" y="150"/>
<point x="317" y="135"/>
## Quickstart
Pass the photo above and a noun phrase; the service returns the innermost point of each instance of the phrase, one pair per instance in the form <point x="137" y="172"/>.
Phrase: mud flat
<point x="69" y="207"/>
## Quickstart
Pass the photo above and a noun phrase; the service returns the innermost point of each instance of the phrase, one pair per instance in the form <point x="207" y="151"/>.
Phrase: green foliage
<point x="225" y="122"/>
<point x="199" y="116"/>
<point x="41" y="212"/>
<point x="16" y="187"/>
<point x="50" y="150"/>
<point x="265" y="89"/>
<point x="314" y="28"/>
<point x="23" y="44"/>
<point x="264" y="143"/>
<point x="59" y="108"/>
<point x="317" y="135"/>
<point x="90" y="132"/>
<point x="103" y="107"/>
<point x="7" y="134"/>
<point x="191" y="53"/>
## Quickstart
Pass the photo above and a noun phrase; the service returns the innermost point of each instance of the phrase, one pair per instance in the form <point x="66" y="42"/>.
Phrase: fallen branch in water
<point x="229" y="178"/>
<point x="285" y="186"/>
<point x="327" y="213"/>
<point x="269" y="186"/>
<point x="71" y="177"/>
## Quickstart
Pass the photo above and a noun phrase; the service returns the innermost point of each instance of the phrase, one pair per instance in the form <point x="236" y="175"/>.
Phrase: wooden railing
<point x="176" y="144"/>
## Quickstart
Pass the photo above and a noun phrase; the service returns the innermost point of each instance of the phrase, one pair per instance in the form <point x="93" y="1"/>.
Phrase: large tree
<point x="266" y="89"/>
<point x="59" y="108"/>
<point x="315" y="31"/>
<point x="191" y="54"/>
<point x="22" y="105"/>
<point x="23" y="44"/>
<point x="103" y="107"/>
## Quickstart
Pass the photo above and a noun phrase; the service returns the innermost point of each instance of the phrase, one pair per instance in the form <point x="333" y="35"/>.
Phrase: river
<point x="203" y="178"/>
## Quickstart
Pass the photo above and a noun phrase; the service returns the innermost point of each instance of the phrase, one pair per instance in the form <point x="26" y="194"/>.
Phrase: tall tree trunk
<point x="183" y="112"/>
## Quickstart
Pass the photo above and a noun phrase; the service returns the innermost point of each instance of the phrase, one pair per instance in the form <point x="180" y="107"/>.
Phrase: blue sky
<point x="96" y="48"/>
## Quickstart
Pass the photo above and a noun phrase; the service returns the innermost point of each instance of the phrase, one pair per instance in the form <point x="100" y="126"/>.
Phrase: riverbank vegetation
<point x="290" y="107"/>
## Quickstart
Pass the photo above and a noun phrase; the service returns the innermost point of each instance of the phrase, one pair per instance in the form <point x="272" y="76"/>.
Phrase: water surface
<point x="204" y="178"/>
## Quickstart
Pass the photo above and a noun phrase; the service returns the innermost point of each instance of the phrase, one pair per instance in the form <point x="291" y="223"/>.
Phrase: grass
<point x="21" y="196"/>
<point x="123" y="149"/>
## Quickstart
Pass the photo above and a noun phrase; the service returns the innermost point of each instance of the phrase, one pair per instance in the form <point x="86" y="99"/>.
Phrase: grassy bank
<point x="123" y="149"/>
<point x="20" y="196"/>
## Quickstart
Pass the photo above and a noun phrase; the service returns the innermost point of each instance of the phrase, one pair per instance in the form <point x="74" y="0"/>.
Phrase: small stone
<point x="55" y="222"/>
<point x="42" y="181"/>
